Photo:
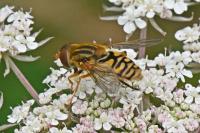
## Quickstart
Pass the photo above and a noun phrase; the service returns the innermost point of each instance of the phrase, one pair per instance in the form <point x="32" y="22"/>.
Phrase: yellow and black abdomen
<point x="86" y="50"/>
<point x="121" y="65"/>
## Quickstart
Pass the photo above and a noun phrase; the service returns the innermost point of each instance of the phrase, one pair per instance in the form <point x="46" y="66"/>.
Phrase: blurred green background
<point x="71" y="21"/>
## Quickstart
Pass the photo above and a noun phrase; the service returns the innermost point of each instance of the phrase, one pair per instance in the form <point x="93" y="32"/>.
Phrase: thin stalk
<point x="145" y="100"/>
<point x="143" y="36"/>
<point x="23" y="79"/>
<point x="6" y="126"/>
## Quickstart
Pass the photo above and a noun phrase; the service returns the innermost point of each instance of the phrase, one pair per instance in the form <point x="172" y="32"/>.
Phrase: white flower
<point x="58" y="78"/>
<point x="195" y="108"/>
<point x="87" y="86"/>
<point x="24" y="129"/>
<point x="36" y="124"/>
<point x="151" y="7"/>
<point x="192" y="93"/>
<point x="188" y="34"/>
<point x="130" y="20"/>
<point x="154" y="129"/>
<point x="175" y="127"/>
<point x="131" y="99"/>
<point x="135" y="11"/>
<point x="151" y="80"/>
<point x="46" y="97"/>
<point x="102" y="121"/>
<point x="20" y="112"/>
<point x="162" y="60"/>
<point x="184" y="57"/>
<point x="141" y="124"/>
<point x="63" y="101"/>
<point x="178" y="96"/>
<point x="5" y="12"/>
<point x="191" y="124"/>
<point x="16" y="36"/>
<point x="179" y="6"/>
<point x="178" y="70"/>
<point x="55" y="115"/>
<point x="79" y="107"/>
<point x="56" y="130"/>
<point x="164" y="95"/>
<point x="29" y="41"/>
<point x="22" y="21"/>
<point x="115" y="117"/>
<point x="85" y="126"/>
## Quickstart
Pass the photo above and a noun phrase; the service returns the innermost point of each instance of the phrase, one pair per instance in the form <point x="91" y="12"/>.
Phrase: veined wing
<point x="136" y="43"/>
<point x="104" y="78"/>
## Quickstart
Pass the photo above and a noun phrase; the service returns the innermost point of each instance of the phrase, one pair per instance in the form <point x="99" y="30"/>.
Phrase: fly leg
<point x="73" y="76"/>
<point x="77" y="85"/>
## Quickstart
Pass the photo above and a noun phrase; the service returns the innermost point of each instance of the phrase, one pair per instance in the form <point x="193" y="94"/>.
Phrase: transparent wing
<point x="136" y="43"/>
<point x="105" y="79"/>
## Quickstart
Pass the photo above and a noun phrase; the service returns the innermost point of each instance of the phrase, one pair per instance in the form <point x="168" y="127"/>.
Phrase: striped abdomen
<point x="84" y="51"/>
<point x="122" y="65"/>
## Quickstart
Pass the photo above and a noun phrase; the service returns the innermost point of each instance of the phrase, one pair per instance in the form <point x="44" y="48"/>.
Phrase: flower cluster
<point x="190" y="36"/>
<point x="15" y="31"/>
<point x="93" y="110"/>
<point x="162" y="101"/>
<point x="135" y="13"/>
<point x="16" y="35"/>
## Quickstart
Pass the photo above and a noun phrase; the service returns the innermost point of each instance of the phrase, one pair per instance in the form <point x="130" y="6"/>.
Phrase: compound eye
<point x="63" y="57"/>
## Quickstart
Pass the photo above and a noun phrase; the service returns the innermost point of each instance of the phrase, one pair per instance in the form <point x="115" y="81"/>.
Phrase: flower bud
<point x="184" y="106"/>
<point x="89" y="110"/>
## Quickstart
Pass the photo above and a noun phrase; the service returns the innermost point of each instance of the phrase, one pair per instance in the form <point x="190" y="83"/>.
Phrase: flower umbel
<point x="16" y="38"/>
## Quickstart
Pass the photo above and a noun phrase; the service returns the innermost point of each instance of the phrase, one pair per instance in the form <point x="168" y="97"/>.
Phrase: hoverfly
<point x="108" y="68"/>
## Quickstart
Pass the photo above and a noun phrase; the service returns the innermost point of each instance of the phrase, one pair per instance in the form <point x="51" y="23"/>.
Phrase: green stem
<point x="23" y="79"/>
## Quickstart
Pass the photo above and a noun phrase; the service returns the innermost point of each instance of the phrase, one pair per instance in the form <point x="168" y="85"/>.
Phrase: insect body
<point x="106" y="67"/>
<point x="121" y="65"/>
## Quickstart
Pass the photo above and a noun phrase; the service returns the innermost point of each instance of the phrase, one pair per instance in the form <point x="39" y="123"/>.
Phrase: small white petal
<point x="140" y="23"/>
<point x="150" y="14"/>
<point x="169" y="4"/>
<point x="189" y="99"/>
<point x="180" y="7"/>
<point x="12" y="120"/>
<point x="197" y="100"/>
<point x="107" y="126"/>
<point x="30" y="39"/>
<point x="129" y="27"/>
<point x="62" y="116"/>
<point x="20" y="47"/>
<point x="97" y="124"/>
<point x="54" y="122"/>
<point x="179" y="35"/>
<point x="32" y="45"/>
<point x="53" y="130"/>
<point x="82" y="95"/>
<point x="122" y="20"/>
<point x="187" y="73"/>
<point x="20" y="37"/>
